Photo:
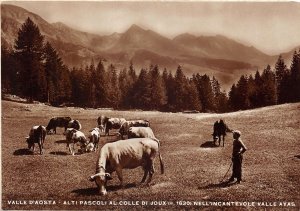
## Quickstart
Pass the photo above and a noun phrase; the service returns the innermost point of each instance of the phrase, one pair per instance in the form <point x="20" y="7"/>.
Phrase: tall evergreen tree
<point x="29" y="50"/>
<point x="282" y="81"/>
<point x="180" y="89"/>
<point x="268" y="88"/>
<point x="234" y="98"/>
<point x="142" y="95"/>
<point x="242" y="92"/>
<point x="101" y="85"/>
<point x="295" y="77"/>
<point x="158" y="89"/>
<point x="205" y="91"/>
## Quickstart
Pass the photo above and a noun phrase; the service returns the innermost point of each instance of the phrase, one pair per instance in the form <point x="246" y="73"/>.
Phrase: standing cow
<point x="114" y="123"/>
<point x="132" y="123"/>
<point x="127" y="154"/>
<point x="58" y="122"/>
<point x="37" y="134"/>
<point x="220" y="129"/>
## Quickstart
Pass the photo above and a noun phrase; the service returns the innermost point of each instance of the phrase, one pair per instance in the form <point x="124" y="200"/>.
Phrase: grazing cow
<point x="37" y="135"/>
<point x="74" y="124"/>
<point x="114" y="123"/>
<point x="94" y="137"/>
<point x="74" y="136"/>
<point x="127" y="154"/>
<point x="133" y="123"/>
<point x="140" y="132"/>
<point x="102" y="120"/>
<point x="58" y="122"/>
<point x="220" y="129"/>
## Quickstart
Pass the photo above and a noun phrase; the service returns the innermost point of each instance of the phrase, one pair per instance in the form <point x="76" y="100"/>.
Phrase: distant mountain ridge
<point x="215" y="55"/>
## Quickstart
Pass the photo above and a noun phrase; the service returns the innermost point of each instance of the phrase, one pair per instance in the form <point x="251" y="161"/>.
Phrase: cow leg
<point x="223" y="140"/>
<point x="41" y="148"/>
<point x="70" y="149"/>
<point x="151" y="171"/>
<point x="146" y="170"/>
<point x="120" y="176"/>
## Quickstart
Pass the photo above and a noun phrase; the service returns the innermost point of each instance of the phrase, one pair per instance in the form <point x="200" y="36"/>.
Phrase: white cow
<point x="140" y="132"/>
<point x="74" y="136"/>
<point x="127" y="154"/>
<point x="132" y="123"/>
<point x="94" y="137"/>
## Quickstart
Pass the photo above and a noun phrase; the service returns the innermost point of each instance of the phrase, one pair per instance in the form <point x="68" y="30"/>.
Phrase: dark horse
<point x="220" y="129"/>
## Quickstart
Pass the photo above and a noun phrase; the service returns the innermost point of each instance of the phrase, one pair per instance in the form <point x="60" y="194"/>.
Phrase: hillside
<point x="193" y="165"/>
<point x="220" y="56"/>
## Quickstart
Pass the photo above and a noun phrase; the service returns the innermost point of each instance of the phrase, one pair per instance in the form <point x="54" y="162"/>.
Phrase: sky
<point x="272" y="27"/>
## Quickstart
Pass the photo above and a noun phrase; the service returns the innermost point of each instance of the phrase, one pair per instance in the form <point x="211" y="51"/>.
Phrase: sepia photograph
<point x="150" y="105"/>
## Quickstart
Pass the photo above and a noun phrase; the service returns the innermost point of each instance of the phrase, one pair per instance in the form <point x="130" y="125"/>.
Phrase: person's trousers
<point x="237" y="167"/>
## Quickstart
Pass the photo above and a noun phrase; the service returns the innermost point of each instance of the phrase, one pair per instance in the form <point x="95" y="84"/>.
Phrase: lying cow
<point x="94" y="137"/>
<point x="114" y="123"/>
<point x="74" y="124"/>
<point x="140" y="132"/>
<point x="37" y="134"/>
<point x="74" y="136"/>
<point x="58" y="122"/>
<point x="220" y="129"/>
<point x="127" y="154"/>
<point x="133" y="123"/>
<point x="102" y="120"/>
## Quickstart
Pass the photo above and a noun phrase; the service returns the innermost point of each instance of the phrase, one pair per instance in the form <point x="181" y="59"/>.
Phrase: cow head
<point x="100" y="179"/>
<point x="29" y="142"/>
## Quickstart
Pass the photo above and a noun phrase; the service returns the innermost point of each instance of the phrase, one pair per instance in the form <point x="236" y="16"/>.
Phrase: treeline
<point x="278" y="86"/>
<point x="34" y="70"/>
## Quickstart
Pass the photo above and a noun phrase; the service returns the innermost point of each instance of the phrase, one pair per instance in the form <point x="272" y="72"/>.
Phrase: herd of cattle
<point x="140" y="148"/>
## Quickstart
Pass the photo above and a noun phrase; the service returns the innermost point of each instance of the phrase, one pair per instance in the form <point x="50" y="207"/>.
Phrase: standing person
<point x="237" y="157"/>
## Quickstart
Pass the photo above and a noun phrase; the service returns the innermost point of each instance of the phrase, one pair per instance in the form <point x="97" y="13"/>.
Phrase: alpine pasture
<point x="193" y="166"/>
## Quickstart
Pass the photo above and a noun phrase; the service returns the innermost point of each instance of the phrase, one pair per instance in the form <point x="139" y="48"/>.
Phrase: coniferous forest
<point x="34" y="70"/>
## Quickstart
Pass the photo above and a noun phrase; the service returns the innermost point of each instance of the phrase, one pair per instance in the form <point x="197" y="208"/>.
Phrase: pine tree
<point x="282" y="80"/>
<point x="113" y="90"/>
<point x="180" y="89"/>
<point x="233" y="98"/>
<point x="257" y="96"/>
<point x="295" y="78"/>
<point x="29" y="50"/>
<point x="158" y="90"/>
<point x="242" y="93"/>
<point x="101" y="85"/>
<point x="205" y="91"/>
<point x="268" y="88"/>
<point x="142" y="95"/>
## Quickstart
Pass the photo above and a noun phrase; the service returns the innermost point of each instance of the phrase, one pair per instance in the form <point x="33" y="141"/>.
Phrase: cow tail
<point x="162" y="166"/>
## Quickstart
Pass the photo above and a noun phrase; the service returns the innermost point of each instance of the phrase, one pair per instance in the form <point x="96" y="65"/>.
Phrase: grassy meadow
<point x="193" y="166"/>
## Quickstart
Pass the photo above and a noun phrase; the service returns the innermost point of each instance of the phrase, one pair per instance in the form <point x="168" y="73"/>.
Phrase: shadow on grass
<point x="208" y="144"/>
<point x="59" y="153"/>
<point x="218" y="185"/>
<point x="95" y="191"/>
<point x="64" y="141"/>
<point x="24" y="151"/>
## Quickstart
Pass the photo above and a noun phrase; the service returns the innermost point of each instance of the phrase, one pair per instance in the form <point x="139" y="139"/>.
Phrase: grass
<point x="193" y="167"/>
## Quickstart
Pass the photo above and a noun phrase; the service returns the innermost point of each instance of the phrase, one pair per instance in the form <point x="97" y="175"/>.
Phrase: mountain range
<point x="218" y="55"/>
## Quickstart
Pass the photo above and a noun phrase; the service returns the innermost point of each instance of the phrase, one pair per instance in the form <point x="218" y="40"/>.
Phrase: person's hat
<point x="237" y="132"/>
